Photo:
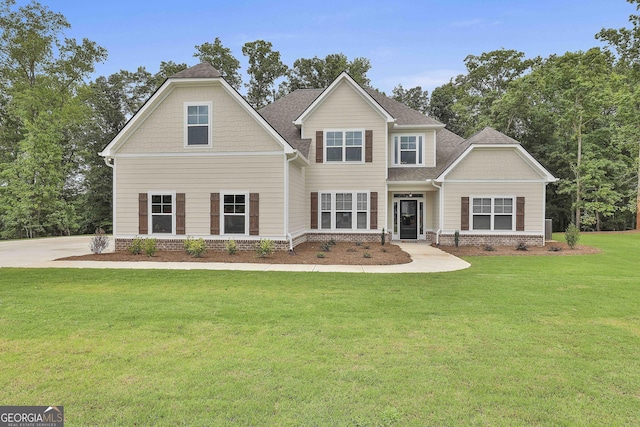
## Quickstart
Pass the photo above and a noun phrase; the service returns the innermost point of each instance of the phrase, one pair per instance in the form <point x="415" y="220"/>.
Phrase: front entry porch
<point x="409" y="216"/>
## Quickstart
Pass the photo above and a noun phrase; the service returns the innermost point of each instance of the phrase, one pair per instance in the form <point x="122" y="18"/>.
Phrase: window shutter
<point x="373" y="210"/>
<point x="314" y="210"/>
<point x="143" y="216"/>
<point x="254" y="214"/>
<point x="319" y="146"/>
<point x="180" y="213"/>
<point x="368" y="146"/>
<point x="464" y="209"/>
<point x="520" y="214"/>
<point x="215" y="214"/>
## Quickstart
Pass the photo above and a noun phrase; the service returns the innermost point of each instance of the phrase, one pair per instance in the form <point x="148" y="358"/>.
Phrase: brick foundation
<point x="493" y="240"/>
<point x="219" y="245"/>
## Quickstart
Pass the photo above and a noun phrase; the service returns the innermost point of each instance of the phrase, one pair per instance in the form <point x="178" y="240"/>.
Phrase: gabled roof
<point x="204" y="70"/>
<point x="346" y="78"/>
<point x="491" y="138"/>
<point x="198" y="73"/>
<point x="403" y="115"/>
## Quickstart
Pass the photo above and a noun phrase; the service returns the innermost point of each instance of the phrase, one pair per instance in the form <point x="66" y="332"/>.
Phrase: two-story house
<point x="343" y="163"/>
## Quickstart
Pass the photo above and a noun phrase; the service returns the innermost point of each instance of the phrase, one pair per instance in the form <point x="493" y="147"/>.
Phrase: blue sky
<point x="408" y="42"/>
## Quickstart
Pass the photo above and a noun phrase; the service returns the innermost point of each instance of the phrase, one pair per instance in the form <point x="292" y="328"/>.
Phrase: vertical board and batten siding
<point x="198" y="177"/>
<point x="493" y="163"/>
<point x="234" y="130"/>
<point x="345" y="109"/>
<point x="532" y="192"/>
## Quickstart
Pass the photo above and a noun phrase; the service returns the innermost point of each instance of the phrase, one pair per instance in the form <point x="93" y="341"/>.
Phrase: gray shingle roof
<point x="203" y="70"/>
<point x="403" y="114"/>
<point x="489" y="135"/>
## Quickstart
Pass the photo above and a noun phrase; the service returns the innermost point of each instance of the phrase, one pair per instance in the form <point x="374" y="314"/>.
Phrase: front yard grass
<point x="509" y="341"/>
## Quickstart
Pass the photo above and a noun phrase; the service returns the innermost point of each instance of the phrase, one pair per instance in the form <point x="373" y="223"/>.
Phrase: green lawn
<point x="510" y="341"/>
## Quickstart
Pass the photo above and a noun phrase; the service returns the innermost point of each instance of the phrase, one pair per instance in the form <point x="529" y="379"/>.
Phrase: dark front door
<point x="408" y="219"/>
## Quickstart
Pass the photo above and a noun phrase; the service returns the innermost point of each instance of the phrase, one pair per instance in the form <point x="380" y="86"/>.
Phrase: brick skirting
<point x="493" y="240"/>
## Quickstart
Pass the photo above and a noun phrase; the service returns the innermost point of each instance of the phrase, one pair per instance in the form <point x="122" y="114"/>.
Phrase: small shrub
<point x="366" y="255"/>
<point x="326" y="247"/>
<point x="195" y="247"/>
<point x="331" y="242"/>
<point x="99" y="242"/>
<point x="321" y="255"/>
<point x="383" y="238"/>
<point x="489" y="248"/>
<point x="351" y="250"/>
<point x="456" y="238"/>
<point x="265" y="247"/>
<point x="555" y="249"/>
<point x="522" y="246"/>
<point x="231" y="246"/>
<point x="150" y="247"/>
<point x="572" y="235"/>
<point x="137" y="246"/>
<point x="366" y="247"/>
<point x="358" y="243"/>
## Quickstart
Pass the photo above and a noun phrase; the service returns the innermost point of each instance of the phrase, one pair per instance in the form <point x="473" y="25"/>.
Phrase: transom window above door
<point x="344" y="146"/>
<point x="408" y="150"/>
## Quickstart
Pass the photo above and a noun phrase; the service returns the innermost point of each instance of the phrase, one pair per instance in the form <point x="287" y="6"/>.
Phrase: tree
<point x="222" y="60"/>
<point x="265" y="67"/>
<point x="41" y="74"/>
<point x="318" y="73"/>
<point x="626" y="43"/>
<point x="414" y="97"/>
<point x="442" y="106"/>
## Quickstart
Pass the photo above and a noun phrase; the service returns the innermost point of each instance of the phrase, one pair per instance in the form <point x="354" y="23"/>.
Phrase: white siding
<point x="344" y="108"/>
<point x="198" y="177"/>
<point x="493" y="163"/>
<point x="234" y="130"/>
<point x="532" y="192"/>
<point x="298" y="202"/>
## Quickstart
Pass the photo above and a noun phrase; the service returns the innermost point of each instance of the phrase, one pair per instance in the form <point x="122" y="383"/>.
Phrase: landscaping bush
<point x="195" y="247"/>
<point x="265" y="247"/>
<point x="572" y="235"/>
<point x="522" y="246"/>
<point x="99" y="242"/>
<point x="326" y="247"/>
<point x="456" y="238"/>
<point x="137" y="246"/>
<point x="150" y="247"/>
<point x="489" y="248"/>
<point x="321" y="255"/>
<point x="366" y="255"/>
<point x="232" y="247"/>
<point x="383" y="238"/>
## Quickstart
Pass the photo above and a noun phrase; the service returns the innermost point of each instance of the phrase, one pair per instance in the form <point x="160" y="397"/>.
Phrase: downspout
<point x="109" y="161"/>
<point x="440" y="215"/>
<point x="286" y="201"/>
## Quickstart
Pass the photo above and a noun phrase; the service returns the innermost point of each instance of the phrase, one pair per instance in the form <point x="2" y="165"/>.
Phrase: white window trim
<point x="246" y="212"/>
<point x="344" y="146"/>
<point x="150" y="212"/>
<point x="493" y="213"/>
<point x="354" y="210"/>
<point x="186" y="124"/>
<point x="396" y="160"/>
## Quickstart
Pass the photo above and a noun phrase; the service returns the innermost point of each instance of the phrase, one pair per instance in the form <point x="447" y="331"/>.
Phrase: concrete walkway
<point x="42" y="253"/>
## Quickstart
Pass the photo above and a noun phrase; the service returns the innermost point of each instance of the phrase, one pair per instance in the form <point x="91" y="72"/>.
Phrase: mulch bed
<point x="551" y="248"/>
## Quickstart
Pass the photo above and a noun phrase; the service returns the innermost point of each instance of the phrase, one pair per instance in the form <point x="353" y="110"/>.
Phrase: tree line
<point x="577" y="113"/>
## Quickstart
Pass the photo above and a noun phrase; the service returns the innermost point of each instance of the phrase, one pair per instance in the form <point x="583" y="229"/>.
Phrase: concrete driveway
<point x="42" y="253"/>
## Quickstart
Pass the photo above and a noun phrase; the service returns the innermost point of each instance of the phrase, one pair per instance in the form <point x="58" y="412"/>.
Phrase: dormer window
<point x="198" y="124"/>
<point x="408" y="150"/>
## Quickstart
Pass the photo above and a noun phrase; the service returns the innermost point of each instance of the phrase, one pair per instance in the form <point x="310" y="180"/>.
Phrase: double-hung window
<point x="235" y="211"/>
<point x="162" y="209"/>
<point x="344" y="211"/>
<point x="198" y="124"/>
<point x="493" y="213"/>
<point x="344" y="146"/>
<point x="408" y="150"/>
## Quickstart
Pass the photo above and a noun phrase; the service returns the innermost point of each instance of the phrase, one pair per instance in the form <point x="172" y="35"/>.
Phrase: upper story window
<point x="198" y="124"/>
<point x="408" y="150"/>
<point x="344" y="146"/>
<point x="493" y="213"/>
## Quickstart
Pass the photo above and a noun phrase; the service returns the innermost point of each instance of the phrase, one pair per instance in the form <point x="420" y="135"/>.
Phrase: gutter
<point x="109" y="161"/>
